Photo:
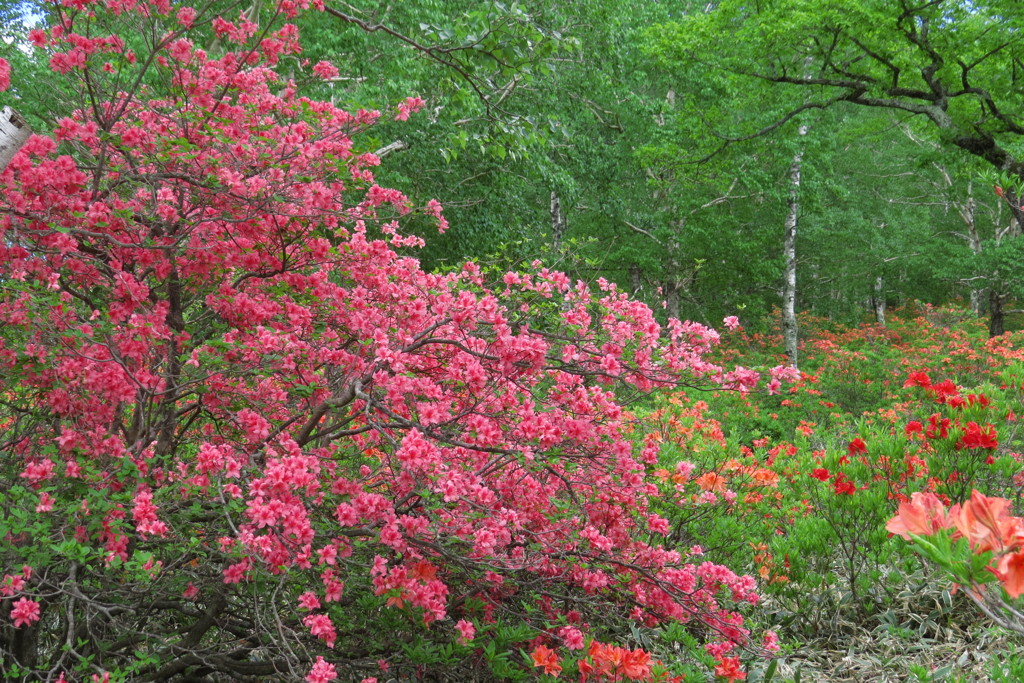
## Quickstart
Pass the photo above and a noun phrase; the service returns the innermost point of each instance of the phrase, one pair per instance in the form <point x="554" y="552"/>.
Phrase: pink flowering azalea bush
<point x="246" y="436"/>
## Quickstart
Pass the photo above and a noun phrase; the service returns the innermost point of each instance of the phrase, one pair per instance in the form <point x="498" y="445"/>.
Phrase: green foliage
<point x="1008" y="669"/>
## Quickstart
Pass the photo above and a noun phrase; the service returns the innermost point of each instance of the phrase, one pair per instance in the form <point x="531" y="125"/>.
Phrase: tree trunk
<point x="671" y="292"/>
<point x="878" y="300"/>
<point x="636" y="283"/>
<point x="14" y="132"/>
<point x="996" y="315"/>
<point x="789" y="325"/>
<point x="968" y="213"/>
<point x="997" y="293"/>
<point x="557" y="224"/>
<point x="675" y="282"/>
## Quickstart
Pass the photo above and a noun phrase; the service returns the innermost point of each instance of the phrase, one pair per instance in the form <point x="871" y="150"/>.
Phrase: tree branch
<point x="432" y="51"/>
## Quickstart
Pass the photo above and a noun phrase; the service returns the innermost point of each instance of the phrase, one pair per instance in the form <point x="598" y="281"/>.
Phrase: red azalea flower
<point x="978" y="399"/>
<point x="918" y="379"/>
<point x="843" y="485"/>
<point x="937" y="428"/>
<point x="976" y="437"/>
<point x="944" y="391"/>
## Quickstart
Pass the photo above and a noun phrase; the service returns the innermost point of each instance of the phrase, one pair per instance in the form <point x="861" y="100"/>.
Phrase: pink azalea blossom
<point x="308" y="600"/>
<point x="466" y="630"/>
<point x="409" y="106"/>
<point x="322" y="672"/>
<point x="325" y="70"/>
<point x="25" y="612"/>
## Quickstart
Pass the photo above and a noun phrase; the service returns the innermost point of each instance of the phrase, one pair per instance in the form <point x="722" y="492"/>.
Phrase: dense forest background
<point x="667" y="145"/>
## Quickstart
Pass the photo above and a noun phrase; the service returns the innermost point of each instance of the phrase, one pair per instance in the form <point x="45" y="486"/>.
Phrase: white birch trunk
<point x="14" y="132"/>
<point x="878" y="300"/>
<point x="558" y="225"/>
<point x="968" y="213"/>
<point x="789" y="325"/>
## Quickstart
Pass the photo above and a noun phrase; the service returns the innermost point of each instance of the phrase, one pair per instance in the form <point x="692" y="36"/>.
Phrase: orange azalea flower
<point x="711" y="481"/>
<point x="636" y="664"/>
<point x="985" y="522"/>
<point x="729" y="669"/>
<point x="1010" y="571"/>
<point x="990" y="511"/>
<point x="604" y="660"/>
<point x="765" y="477"/>
<point x="546" y="658"/>
<point x="607" y="655"/>
<point x="922" y="516"/>
<point x="396" y="600"/>
<point x="613" y="663"/>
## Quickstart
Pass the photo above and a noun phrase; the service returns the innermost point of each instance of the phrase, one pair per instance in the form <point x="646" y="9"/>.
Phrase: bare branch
<point x="640" y="230"/>
<point x="395" y="146"/>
